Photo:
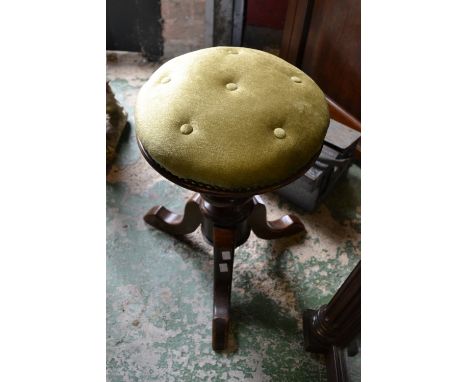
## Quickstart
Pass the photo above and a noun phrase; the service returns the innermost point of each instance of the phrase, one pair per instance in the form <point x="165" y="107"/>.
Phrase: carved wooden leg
<point x="264" y="229"/>
<point x="223" y="245"/>
<point x="167" y="221"/>
<point x="338" y="322"/>
<point x="332" y="327"/>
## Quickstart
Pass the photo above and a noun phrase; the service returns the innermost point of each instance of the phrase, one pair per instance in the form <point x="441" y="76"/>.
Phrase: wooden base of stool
<point x="226" y="223"/>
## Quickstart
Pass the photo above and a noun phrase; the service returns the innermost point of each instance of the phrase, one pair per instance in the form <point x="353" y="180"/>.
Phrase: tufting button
<point x="279" y="133"/>
<point x="186" y="129"/>
<point x="231" y="86"/>
<point x="165" y="80"/>
<point x="296" y="79"/>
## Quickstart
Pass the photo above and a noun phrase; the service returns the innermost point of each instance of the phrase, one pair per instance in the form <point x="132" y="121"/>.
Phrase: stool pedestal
<point x="226" y="223"/>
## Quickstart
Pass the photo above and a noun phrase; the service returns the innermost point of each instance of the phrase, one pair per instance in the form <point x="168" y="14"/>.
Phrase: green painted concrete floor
<point x="159" y="289"/>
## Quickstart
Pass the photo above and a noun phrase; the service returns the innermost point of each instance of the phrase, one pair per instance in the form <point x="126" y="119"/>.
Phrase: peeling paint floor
<point x="159" y="289"/>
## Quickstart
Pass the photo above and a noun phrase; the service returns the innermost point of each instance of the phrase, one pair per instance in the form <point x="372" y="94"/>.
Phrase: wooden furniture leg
<point x="223" y="245"/>
<point x="336" y="364"/>
<point x="285" y="226"/>
<point x="167" y="221"/>
<point x="332" y="327"/>
<point x="225" y="223"/>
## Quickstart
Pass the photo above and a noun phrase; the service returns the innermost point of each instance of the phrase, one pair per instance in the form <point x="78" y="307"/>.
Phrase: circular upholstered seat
<point x="232" y="118"/>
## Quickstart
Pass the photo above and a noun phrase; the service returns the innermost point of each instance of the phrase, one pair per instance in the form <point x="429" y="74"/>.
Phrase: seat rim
<point x="204" y="188"/>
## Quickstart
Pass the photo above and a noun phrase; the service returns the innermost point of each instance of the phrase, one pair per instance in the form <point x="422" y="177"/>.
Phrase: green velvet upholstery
<point x="231" y="117"/>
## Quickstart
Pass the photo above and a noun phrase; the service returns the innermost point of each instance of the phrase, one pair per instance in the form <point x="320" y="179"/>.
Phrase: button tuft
<point x="186" y="129"/>
<point x="231" y="86"/>
<point x="279" y="133"/>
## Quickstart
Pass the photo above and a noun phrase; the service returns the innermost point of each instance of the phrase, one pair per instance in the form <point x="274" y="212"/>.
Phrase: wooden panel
<point x="266" y="13"/>
<point x="295" y="30"/>
<point x="332" y="54"/>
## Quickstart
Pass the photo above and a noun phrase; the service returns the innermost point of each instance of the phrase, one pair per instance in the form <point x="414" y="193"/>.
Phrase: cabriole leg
<point x="167" y="221"/>
<point x="285" y="226"/>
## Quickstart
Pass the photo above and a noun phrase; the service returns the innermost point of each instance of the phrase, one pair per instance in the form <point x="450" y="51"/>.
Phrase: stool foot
<point x="223" y="247"/>
<point x="167" y="221"/>
<point x="285" y="226"/>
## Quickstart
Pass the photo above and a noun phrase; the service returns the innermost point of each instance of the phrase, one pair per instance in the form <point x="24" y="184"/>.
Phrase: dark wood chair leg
<point x="336" y="365"/>
<point x="264" y="229"/>
<point x="332" y="327"/>
<point x="167" y="221"/>
<point x="223" y="245"/>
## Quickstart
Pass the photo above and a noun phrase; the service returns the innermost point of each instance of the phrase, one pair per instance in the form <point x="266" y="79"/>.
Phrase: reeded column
<point x="338" y="322"/>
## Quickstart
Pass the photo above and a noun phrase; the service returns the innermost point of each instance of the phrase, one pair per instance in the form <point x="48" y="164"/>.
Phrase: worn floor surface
<point x="159" y="289"/>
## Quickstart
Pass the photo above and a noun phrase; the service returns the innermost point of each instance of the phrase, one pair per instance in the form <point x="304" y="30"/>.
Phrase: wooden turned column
<point x="225" y="226"/>
<point x="224" y="212"/>
<point x="338" y="322"/>
<point x="332" y="327"/>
